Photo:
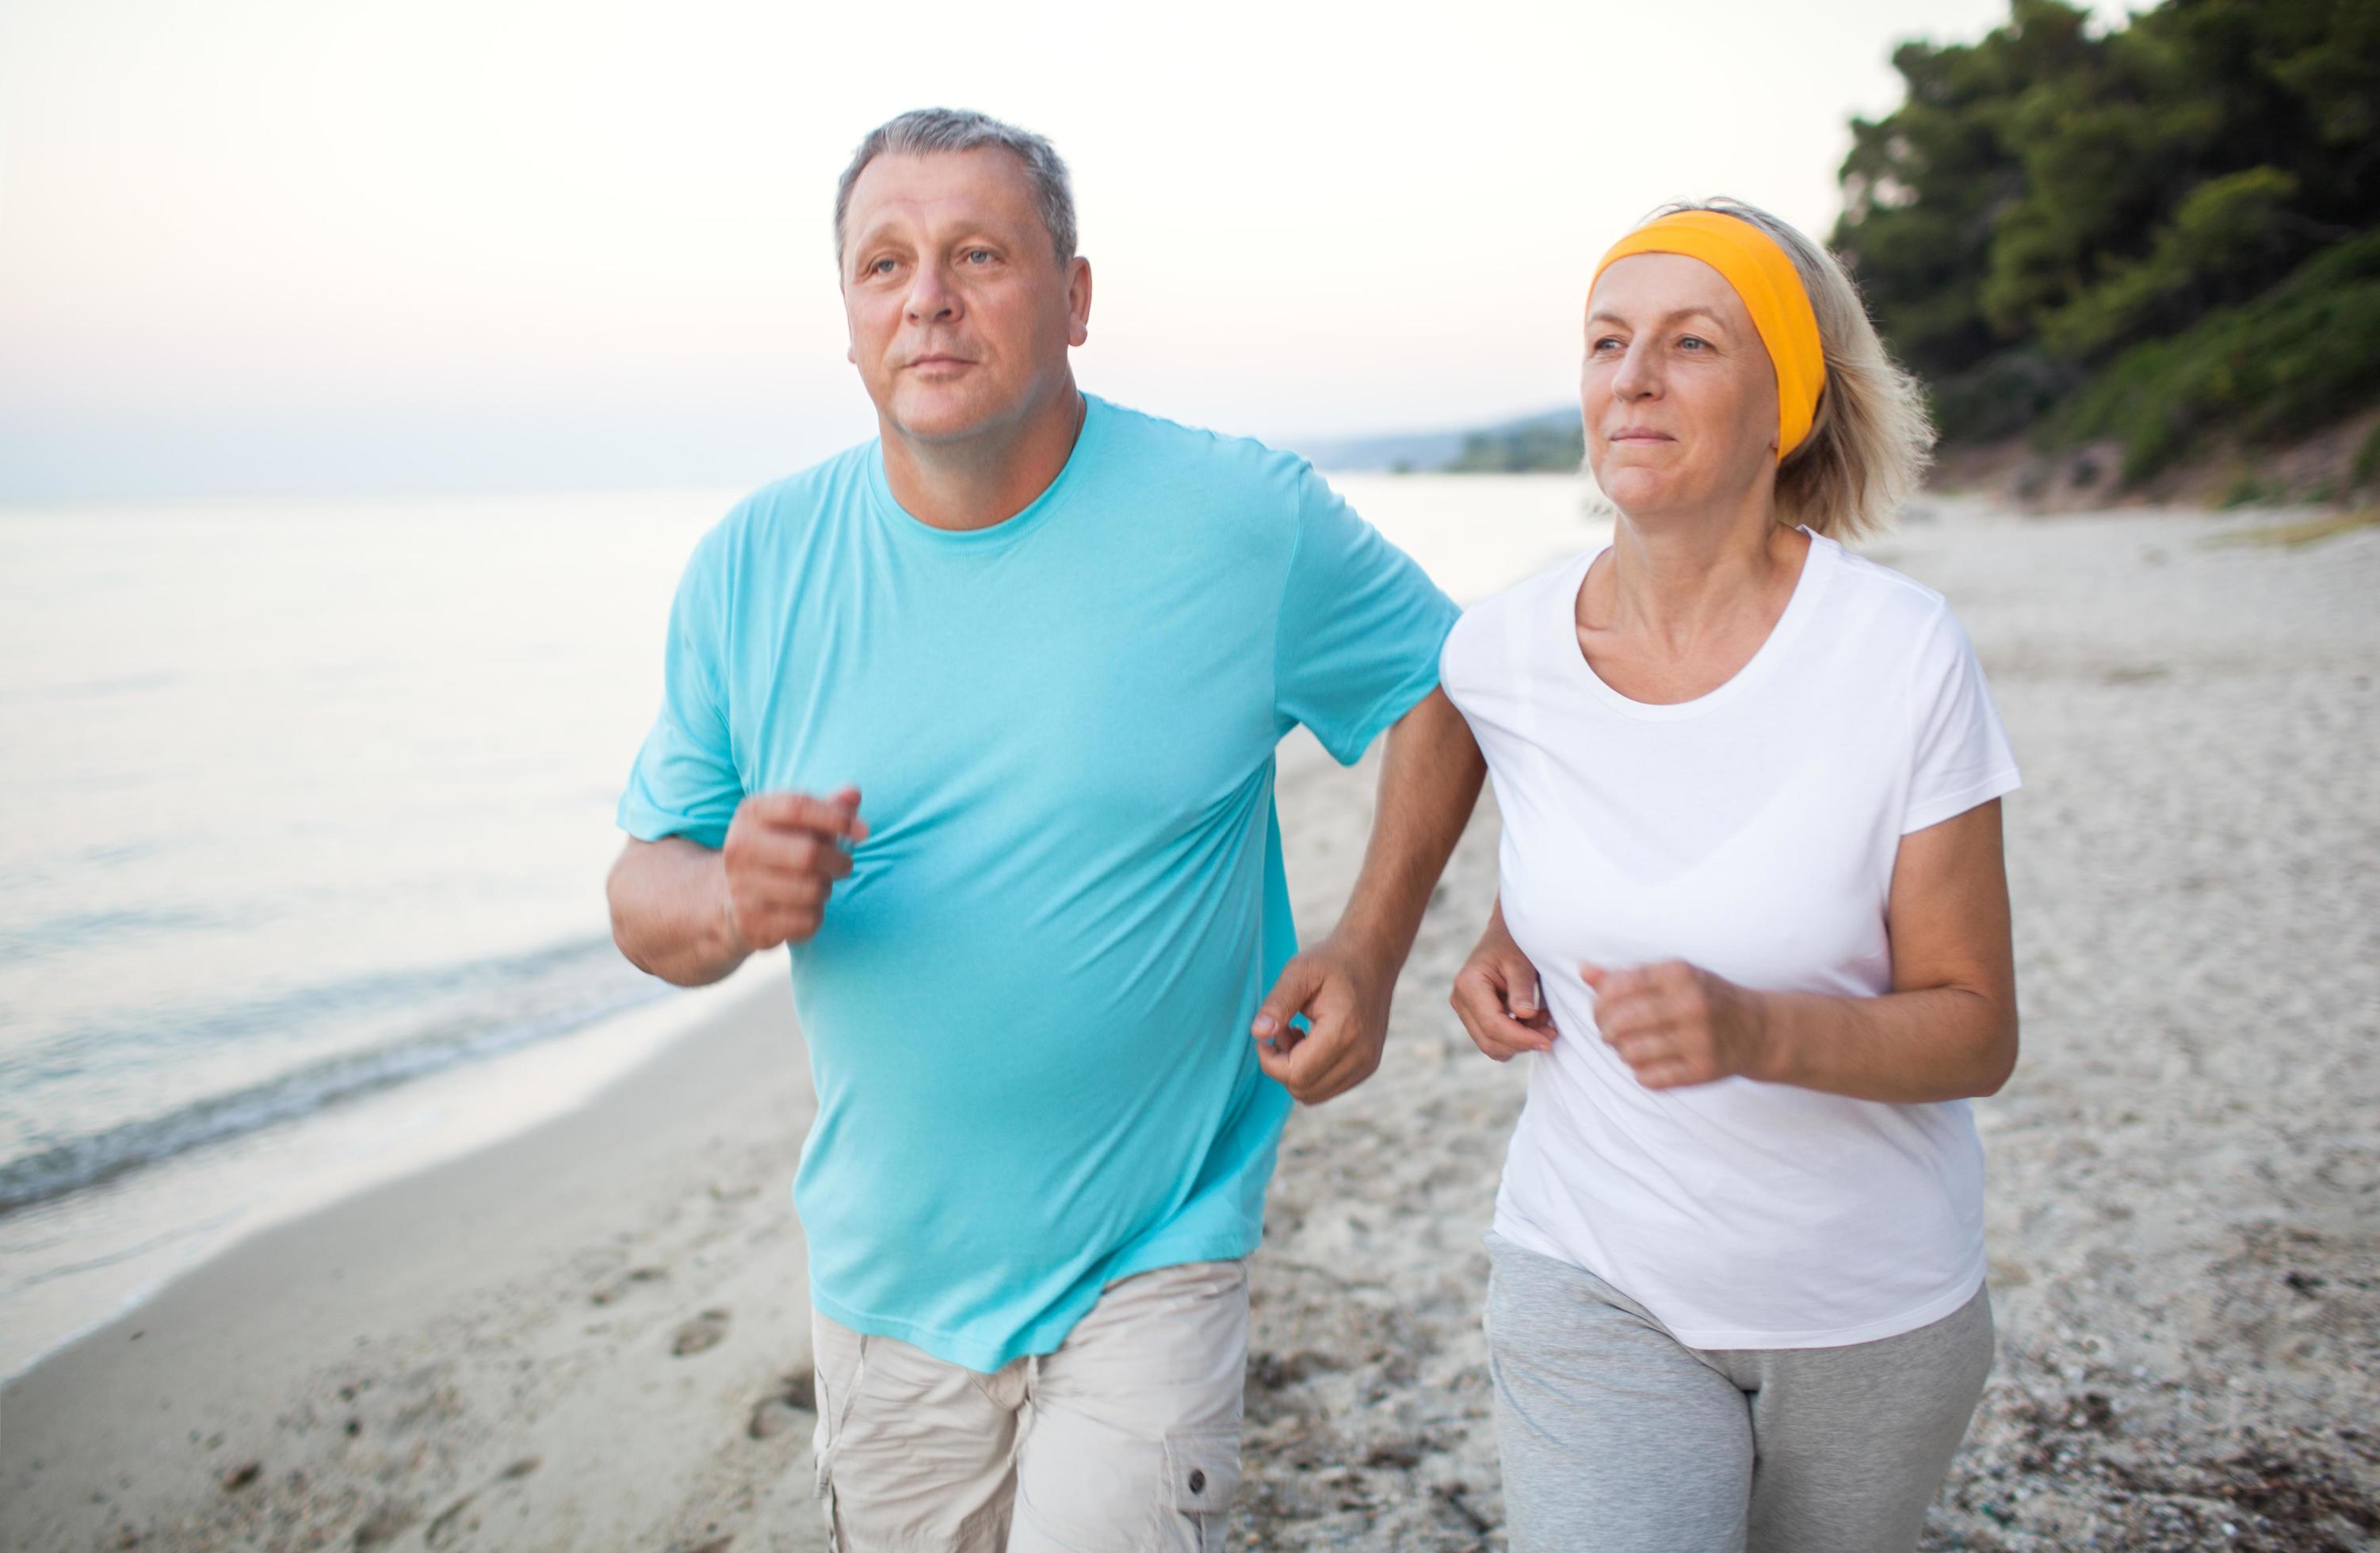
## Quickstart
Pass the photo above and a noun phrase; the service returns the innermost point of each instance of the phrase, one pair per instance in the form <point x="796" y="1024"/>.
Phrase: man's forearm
<point x="1429" y="782"/>
<point x="669" y="912"/>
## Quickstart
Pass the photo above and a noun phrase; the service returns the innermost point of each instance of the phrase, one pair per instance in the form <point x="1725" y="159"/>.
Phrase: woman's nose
<point x="1638" y="377"/>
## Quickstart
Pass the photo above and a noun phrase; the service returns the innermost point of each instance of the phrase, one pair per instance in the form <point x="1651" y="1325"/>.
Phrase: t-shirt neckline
<point x="901" y="520"/>
<point x="1806" y="588"/>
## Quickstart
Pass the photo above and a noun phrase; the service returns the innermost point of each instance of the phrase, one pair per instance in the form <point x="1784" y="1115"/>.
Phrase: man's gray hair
<point x="922" y="131"/>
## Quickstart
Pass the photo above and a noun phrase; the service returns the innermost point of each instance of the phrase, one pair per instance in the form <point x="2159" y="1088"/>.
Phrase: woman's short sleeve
<point x="1961" y="756"/>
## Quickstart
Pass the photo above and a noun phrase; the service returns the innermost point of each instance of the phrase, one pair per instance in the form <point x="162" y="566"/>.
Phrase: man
<point x="980" y="718"/>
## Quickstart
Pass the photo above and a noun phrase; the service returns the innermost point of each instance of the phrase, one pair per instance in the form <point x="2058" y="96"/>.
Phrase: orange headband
<point x="1750" y="260"/>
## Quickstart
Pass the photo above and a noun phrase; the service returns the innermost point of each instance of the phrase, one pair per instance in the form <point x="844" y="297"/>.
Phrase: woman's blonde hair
<point x="1872" y="438"/>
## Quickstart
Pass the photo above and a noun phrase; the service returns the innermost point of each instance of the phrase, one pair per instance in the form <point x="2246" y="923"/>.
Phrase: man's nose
<point x="932" y="296"/>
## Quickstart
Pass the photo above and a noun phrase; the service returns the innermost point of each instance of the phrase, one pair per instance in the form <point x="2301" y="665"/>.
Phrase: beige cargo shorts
<point x="1125" y="1441"/>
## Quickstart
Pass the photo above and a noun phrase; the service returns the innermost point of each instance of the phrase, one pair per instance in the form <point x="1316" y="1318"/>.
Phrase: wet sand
<point x="594" y="1336"/>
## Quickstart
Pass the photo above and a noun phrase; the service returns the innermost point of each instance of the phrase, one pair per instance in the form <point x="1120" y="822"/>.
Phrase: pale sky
<point x="274" y="245"/>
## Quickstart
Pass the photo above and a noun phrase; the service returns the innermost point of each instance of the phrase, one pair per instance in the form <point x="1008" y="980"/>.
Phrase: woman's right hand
<point x="1497" y="997"/>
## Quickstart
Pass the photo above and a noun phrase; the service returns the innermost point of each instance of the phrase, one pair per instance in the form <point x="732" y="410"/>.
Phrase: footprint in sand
<point x="385" y="1524"/>
<point x="787" y="1405"/>
<point x="704" y="1331"/>
<point x="445" y="1524"/>
<point x="448" y="1521"/>
<point x="608" y="1292"/>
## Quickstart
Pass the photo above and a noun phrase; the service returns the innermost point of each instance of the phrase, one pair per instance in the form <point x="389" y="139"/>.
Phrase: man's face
<point x="960" y="311"/>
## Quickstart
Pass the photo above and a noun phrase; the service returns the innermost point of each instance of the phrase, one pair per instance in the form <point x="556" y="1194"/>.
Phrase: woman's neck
<point x="1680" y="581"/>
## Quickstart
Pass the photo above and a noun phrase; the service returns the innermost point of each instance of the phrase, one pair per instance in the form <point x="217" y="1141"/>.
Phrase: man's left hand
<point x="1344" y="995"/>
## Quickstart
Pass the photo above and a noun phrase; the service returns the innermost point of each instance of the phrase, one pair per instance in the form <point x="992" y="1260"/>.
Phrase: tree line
<point x="2162" y="232"/>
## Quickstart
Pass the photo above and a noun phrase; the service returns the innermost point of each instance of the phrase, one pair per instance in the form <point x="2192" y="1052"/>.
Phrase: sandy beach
<point x="593" y="1335"/>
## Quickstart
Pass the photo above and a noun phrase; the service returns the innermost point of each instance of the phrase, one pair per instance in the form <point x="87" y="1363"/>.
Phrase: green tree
<point x="2051" y="195"/>
<point x="1926" y="188"/>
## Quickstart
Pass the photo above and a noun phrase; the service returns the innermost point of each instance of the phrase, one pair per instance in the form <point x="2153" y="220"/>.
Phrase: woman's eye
<point x="1608" y="343"/>
<point x="1692" y="342"/>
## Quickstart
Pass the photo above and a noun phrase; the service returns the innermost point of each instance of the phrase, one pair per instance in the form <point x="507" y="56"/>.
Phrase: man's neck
<point x="985" y="479"/>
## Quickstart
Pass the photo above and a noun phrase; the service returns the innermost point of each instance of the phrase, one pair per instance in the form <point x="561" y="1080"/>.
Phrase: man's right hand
<point x="781" y="857"/>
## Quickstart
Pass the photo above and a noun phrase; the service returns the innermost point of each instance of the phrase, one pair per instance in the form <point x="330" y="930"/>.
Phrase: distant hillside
<point x="1549" y="440"/>
<point x="1548" y="443"/>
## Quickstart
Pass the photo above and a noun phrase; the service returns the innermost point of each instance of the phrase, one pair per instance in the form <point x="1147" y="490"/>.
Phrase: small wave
<point x="113" y="926"/>
<point x="88" y="689"/>
<point x="154" y="1039"/>
<point x="73" y="1164"/>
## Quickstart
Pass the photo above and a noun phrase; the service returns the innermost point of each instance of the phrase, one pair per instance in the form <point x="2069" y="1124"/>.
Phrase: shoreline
<point x="318" y="1344"/>
<point x="388" y="1137"/>
<point x="309" y="1163"/>
<point x="267" y="1309"/>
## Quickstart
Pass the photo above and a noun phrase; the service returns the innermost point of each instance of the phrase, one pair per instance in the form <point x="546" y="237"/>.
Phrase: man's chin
<point x="943" y="417"/>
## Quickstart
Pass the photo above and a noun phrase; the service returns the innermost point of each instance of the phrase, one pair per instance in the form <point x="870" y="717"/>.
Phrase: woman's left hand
<point x="1677" y="1024"/>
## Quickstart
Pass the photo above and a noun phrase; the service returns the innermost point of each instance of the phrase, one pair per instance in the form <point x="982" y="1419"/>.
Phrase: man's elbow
<point x="619" y="894"/>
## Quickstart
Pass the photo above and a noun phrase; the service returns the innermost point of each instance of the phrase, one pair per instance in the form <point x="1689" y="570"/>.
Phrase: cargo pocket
<point x="1202" y="1469"/>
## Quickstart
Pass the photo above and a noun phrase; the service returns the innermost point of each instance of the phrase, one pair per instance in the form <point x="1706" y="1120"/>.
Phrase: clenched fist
<point x="1497" y="997"/>
<point x="1343" y="992"/>
<point x="1675" y="1023"/>
<point x="784" y="853"/>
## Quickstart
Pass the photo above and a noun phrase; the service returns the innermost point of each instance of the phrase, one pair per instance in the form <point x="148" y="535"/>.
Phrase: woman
<point x="1753" y="919"/>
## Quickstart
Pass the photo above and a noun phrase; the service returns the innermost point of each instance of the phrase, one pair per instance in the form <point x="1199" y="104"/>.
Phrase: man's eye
<point x="1608" y="343"/>
<point x="978" y="256"/>
<point x="881" y="267"/>
<point x="1692" y="342"/>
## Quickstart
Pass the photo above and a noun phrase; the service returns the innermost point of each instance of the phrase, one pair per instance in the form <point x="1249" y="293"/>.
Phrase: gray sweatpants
<point x="1616" y="1437"/>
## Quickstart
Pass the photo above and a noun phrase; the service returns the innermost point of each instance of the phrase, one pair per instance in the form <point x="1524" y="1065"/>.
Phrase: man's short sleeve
<point x="1357" y="641"/>
<point x="683" y="783"/>
<point x="1962" y="756"/>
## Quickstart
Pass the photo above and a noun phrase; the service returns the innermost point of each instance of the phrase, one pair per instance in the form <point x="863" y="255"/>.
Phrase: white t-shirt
<point x="1751" y="831"/>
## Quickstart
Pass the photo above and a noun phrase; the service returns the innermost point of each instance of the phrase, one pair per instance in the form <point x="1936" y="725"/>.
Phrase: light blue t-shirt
<point x="1027" y="1008"/>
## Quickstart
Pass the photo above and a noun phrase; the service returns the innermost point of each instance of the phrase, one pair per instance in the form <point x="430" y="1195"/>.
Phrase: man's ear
<point x="1078" y="300"/>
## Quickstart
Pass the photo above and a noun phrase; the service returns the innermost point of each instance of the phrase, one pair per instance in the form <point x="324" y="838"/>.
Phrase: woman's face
<point x="1678" y="393"/>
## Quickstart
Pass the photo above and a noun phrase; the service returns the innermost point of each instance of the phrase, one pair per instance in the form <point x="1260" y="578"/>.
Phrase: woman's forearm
<point x="1941" y="1043"/>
